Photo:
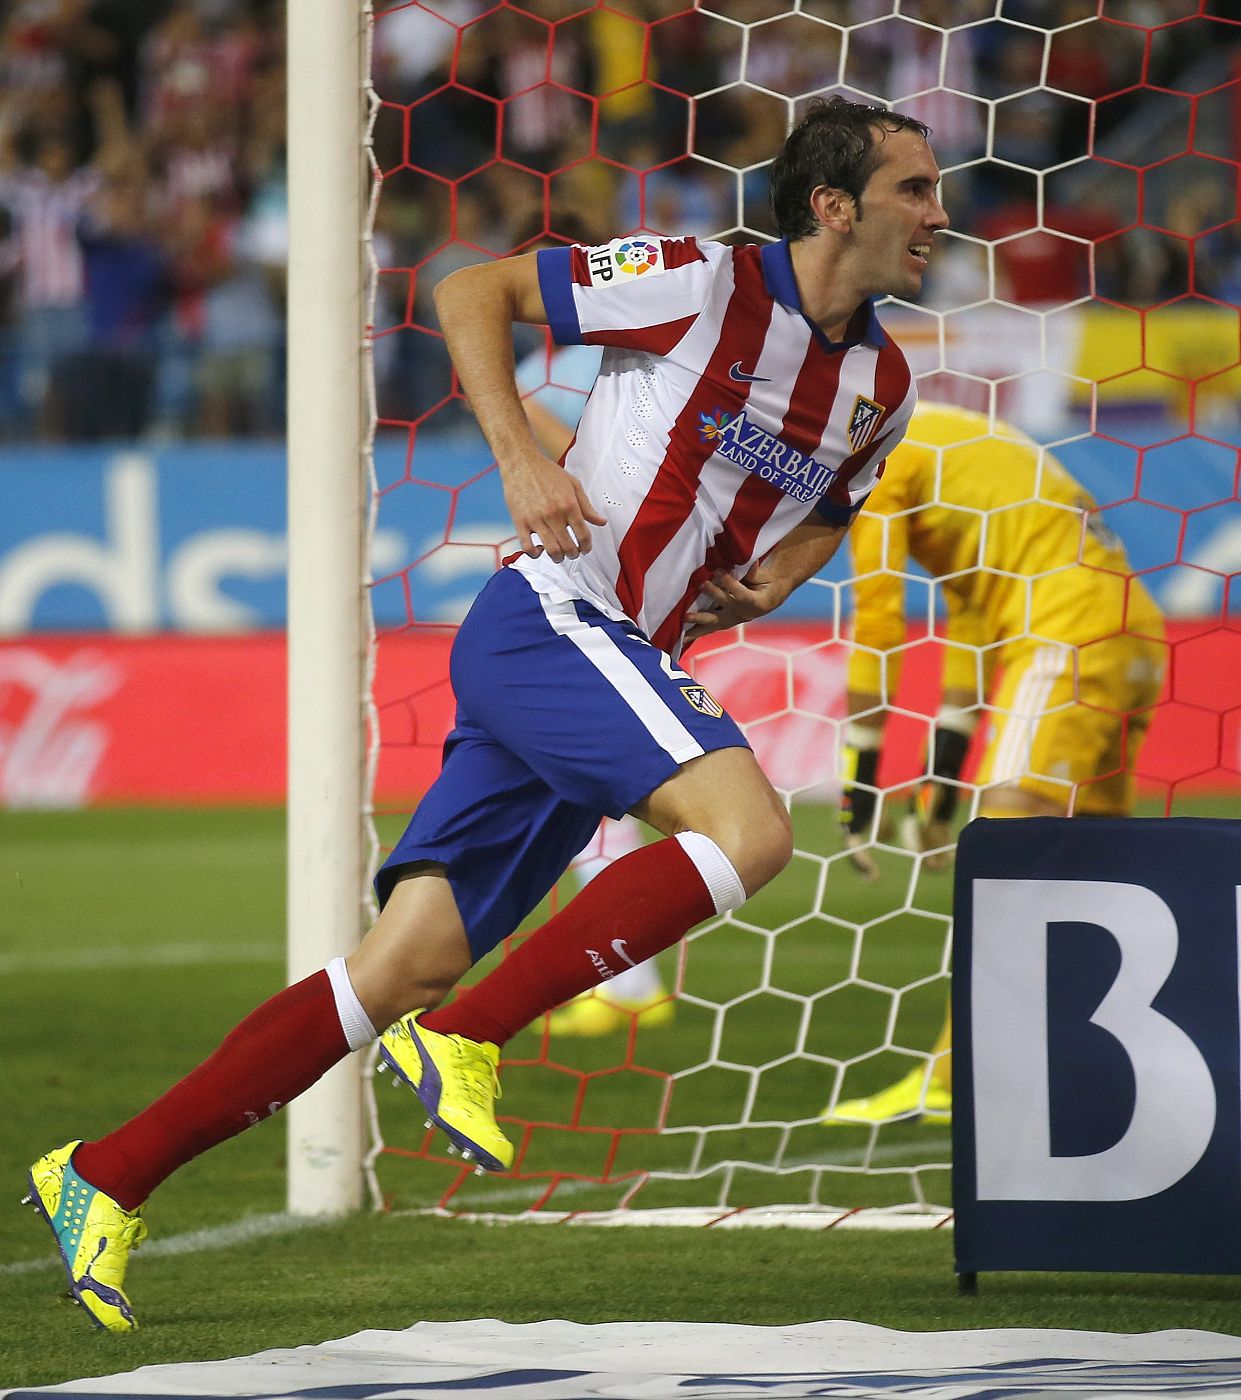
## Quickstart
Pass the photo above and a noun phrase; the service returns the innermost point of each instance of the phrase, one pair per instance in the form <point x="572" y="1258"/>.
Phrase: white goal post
<point x="329" y="424"/>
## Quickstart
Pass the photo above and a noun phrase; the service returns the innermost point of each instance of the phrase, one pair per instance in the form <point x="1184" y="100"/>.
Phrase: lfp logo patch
<point x="625" y="257"/>
<point x="636" y="256"/>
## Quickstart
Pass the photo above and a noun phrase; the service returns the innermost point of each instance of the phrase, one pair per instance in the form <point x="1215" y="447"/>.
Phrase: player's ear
<point x="833" y="208"/>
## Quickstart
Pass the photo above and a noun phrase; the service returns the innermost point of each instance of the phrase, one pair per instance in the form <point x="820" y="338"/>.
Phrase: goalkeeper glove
<point x="859" y="762"/>
<point x="928" y="827"/>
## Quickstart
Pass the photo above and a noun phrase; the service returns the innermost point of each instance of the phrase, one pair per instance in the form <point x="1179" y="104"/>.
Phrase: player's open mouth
<point x="920" y="253"/>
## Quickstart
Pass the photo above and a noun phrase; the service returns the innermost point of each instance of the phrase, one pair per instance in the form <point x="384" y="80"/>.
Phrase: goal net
<point x="1084" y="294"/>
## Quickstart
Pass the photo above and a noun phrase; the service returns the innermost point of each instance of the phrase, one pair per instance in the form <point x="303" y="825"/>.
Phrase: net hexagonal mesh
<point x="1082" y="300"/>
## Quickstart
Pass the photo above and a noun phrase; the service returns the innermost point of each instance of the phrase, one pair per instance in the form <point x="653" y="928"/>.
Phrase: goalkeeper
<point x="1046" y="627"/>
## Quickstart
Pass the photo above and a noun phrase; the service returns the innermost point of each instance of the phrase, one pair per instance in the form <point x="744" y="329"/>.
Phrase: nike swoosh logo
<point x="618" y="947"/>
<point x="737" y="373"/>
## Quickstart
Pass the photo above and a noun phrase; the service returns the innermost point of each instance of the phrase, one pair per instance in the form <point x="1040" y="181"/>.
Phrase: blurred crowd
<point x="1010" y="102"/>
<point x="145" y="233"/>
<point x="142" y="185"/>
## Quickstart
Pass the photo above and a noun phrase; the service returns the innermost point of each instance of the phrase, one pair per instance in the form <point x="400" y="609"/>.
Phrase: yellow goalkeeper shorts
<point x="1068" y="722"/>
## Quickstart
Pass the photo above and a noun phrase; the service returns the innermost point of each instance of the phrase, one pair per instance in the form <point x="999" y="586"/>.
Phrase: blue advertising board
<point x="192" y="537"/>
<point x="1097" y="1054"/>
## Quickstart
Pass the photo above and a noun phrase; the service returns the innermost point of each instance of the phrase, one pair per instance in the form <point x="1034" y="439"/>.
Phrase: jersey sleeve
<point x="640" y="293"/>
<point x="880" y="544"/>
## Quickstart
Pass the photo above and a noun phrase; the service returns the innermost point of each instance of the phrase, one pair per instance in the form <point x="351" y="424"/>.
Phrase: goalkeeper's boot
<point x="594" y="1013"/>
<point x="93" y="1233"/>
<point x="457" y="1082"/>
<point x="910" y="1097"/>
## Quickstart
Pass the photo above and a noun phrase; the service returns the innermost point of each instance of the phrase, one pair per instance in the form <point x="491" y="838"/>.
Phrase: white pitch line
<point x="253" y="1227"/>
<point x="257" y="1227"/>
<point x="156" y="955"/>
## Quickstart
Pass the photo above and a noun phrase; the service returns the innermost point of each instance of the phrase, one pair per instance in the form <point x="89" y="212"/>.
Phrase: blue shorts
<point x="563" y="716"/>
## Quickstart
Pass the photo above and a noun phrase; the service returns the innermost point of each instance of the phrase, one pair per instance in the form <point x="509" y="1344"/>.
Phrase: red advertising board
<point x="173" y="719"/>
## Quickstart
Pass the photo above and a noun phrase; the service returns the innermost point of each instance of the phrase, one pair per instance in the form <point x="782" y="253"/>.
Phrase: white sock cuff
<point x="716" y="869"/>
<point x="354" y="1021"/>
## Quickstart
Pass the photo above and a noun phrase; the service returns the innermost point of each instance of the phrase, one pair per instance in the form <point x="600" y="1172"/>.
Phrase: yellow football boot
<point x="457" y="1081"/>
<point x="93" y="1234"/>
<point x="594" y="1013"/>
<point x="910" y="1097"/>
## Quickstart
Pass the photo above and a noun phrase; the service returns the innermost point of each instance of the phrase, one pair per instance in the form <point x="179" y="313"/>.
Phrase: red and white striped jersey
<point x="46" y="214"/>
<point x="721" y="418"/>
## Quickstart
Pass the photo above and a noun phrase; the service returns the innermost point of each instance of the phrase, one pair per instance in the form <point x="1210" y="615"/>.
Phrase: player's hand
<point x="545" y="500"/>
<point x="736" y="600"/>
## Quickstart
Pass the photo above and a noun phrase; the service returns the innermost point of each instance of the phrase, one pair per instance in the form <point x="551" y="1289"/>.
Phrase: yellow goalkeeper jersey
<point x="1011" y="538"/>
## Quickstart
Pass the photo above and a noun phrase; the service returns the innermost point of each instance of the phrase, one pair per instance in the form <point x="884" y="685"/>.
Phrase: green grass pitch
<point x="130" y="941"/>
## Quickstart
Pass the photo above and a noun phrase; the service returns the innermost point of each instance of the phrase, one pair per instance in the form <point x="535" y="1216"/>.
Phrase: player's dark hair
<point x="836" y="143"/>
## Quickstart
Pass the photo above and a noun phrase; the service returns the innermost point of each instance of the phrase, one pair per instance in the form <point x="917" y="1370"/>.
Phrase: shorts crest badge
<point x="703" y="701"/>
<point x="863" y="421"/>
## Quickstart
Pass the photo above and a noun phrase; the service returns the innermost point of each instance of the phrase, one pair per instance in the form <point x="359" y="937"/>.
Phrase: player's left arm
<point x="798" y="557"/>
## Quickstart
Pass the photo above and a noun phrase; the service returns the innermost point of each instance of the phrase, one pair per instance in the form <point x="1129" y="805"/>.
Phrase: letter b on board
<point x="1155" y="1035"/>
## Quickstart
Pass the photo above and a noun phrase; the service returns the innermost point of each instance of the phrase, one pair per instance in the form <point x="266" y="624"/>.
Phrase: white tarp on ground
<point x="673" y="1360"/>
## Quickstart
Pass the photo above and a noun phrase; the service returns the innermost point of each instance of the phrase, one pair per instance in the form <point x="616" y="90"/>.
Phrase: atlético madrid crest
<point x="863" y="421"/>
<point x="703" y="701"/>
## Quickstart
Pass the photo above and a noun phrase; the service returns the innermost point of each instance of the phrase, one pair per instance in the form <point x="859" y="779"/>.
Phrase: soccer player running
<point x="745" y="401"/>
<point x="1046" y="625"/>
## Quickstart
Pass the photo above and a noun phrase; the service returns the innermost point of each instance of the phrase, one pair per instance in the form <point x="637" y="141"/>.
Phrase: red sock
<point x="278" y="1051"/>
<point x="645" y="901"/>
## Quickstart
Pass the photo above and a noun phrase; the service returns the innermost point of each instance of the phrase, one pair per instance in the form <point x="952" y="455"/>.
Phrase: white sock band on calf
<point x="354" y="1021"/>
<point x="716" y="870"/>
